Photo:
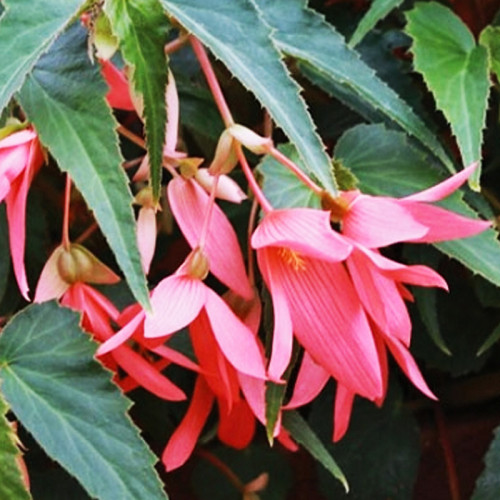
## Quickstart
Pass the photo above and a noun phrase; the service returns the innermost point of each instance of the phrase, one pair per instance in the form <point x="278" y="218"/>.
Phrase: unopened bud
<point x="225" y="158"/>
<point x="198" y="266"/>
<point x="227" y="189"/>
<point x="252" y="141"/>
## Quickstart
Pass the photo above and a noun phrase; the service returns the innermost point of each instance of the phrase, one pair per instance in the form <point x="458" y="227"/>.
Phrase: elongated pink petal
<point x="407" y="363"/>
<point x="118" y="95"/>
<point x="172" y="102"/>
<point x="380" y="297"/>
<point x="254" y="390"/>
<point x="304" y="230"/>
<point x="189" y="202"/>
<point x="146" y="235"/>
<point x="175" y="357"/>
<point x="413" y="275"/>
<point x="330" y="323"/>
<point x="102" y="302"/>
<point x="122" y="335"/>
<point x="445" y="188"/>
<point x="146" y="374"/>
<point x="16" y="139"/>
<point x="443" y="225"/>
<point x="310" y="382"/>
<point x="236" y="341"/>
<point x="184" y="439"/>
<point x="344" y="399"/>
<point x="12" y="162"/>
<point x="237" y="428"/>
<point x="176" y="301"/>
<point x="50" y="284"/>
<point x="377" y="222"/>
<point x="282" y="345"/>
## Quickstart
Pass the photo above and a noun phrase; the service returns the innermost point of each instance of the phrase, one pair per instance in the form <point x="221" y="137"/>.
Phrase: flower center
<point x="292" y="259"/>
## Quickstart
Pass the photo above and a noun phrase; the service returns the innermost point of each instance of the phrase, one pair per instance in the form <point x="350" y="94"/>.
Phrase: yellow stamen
<point x="292" y="259"/>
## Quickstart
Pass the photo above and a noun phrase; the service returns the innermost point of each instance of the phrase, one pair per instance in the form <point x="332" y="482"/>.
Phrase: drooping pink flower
<point x="378" y="221"/>
<point x="20" y="158"/>
<point x="300" y="257"/>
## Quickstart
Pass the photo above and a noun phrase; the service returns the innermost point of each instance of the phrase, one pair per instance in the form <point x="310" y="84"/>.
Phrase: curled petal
<point x="304" y="230"/>
<point x="344" y="399"/>
<point x="50" y="284"/>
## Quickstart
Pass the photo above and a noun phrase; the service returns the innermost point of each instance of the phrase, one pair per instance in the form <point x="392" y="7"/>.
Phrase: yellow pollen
<point x="292" y="259"/>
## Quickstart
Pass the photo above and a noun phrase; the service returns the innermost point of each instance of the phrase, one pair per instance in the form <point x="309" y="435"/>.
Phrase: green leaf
<point x="455" y="69"/>
<point x="488" y="484"/>
<point x="281" y="187"/>
<point x="24" y="37"/>
<point x="377" y="11"/>
<point x="66" y="400"/>
<point x="387" y="164"/>
<point x="64" y="98"/>
<point x="237" y="34"/>
<point x="490" y="39"/>
<point x="275" y="394"/>
<point x="305" y="436"/>
<point x="142" y="28"/>
<point x="493" y="338"/>
<point x="304" y="34"/>
<point x="11" y="483"/>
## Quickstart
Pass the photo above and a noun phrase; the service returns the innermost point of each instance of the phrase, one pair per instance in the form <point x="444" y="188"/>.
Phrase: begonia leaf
<point x="488" y="484"/>
<point x="490" y="38"/>
<point x="11" y="483"/>
<point x="455" y="69"/>
<point x="64" y="98"/>
<point x="300" y="430"/>
<point x="24" y="37"/>
<point x="236" y="34"/>
<point x="387" y="164"/>
<point x="377" y="11"/>
<point x="142" y="28"/>
<point x="66" y="400"/>
<point x="305" y="35"/>
<point x="281" y="187"/>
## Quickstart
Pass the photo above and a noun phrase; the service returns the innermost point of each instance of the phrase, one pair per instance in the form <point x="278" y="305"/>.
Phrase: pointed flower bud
<point x="252" y="141"/>
<point x="225" y="158"/>
<point x="227" y="189"/>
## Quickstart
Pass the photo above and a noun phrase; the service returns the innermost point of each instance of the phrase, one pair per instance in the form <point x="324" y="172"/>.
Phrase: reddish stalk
<point x="219" y="464"/>
<point x="87" y="233"/>
<point x="449" y="459"/>
<point x="176" y="44"/>
<point x="67" y="201"/>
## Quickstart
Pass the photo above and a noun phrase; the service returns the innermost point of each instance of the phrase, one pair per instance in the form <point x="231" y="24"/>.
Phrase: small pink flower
<point x="20" y="158"/>
<point x="313" y="298"/>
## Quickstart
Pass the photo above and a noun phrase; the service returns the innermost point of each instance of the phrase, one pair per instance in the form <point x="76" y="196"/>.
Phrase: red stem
<point x="67" y="200"/>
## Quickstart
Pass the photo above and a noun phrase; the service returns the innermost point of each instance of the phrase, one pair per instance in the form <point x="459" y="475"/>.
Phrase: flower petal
<point x="408" y="365"/>
<point x="304" y="230"/>
<point x="236" y="341"/>
<point x="310" y="382"/>
<point x="375" y="221"/>
<point x="184" y="439"/>
<point x="118" y="95"/>
<point x="122" y="335"/>
<point x="237" y="428"/>
<point x="189" y="202"/>
<point x="330" y="323"/>
<point x="175" y="357"/>
<point x="176" y="301"/>
<point x="50" y="284"/>
<point x="146" y="235"/>
<point x="444" y="224"/>
<point x="227" y="189"/>
<point x="445" y="188"/>
<point x="344" y="399"/>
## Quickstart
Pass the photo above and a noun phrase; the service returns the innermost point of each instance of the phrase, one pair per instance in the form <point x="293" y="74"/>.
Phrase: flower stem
<point x="219" y="464"/>
<point x="67" y="200"/>
<point x="285" y="161"/>
<point x="176" y="44"/>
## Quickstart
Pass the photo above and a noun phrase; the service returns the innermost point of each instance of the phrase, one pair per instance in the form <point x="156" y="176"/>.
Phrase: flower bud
<point x="227" y="189"/>
<point x="252" y="141"/>
<point x="225" y="158"/>
<point x="197" y="265"/>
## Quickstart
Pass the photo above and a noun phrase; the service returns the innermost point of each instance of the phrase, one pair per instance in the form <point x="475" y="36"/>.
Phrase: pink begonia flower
<point x="313" y="298"/>
<point x="20" y="158"/>
<point x="378" y="221"/>
<point x="118" y="95"/>
<point x="62" y="278"/>
<point x="189" y="202"/>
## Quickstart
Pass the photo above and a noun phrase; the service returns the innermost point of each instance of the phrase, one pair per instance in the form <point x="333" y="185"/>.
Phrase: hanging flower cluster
<point x="332" y="290"/>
